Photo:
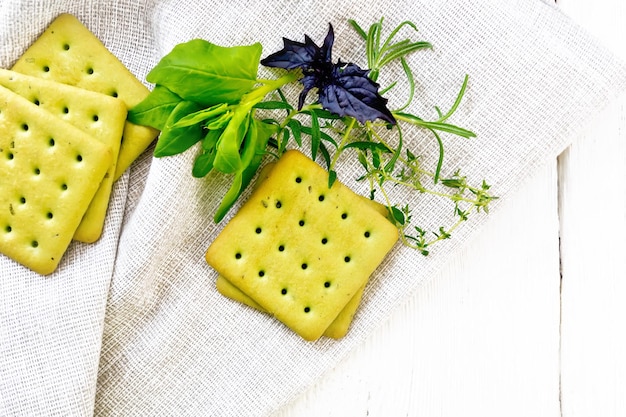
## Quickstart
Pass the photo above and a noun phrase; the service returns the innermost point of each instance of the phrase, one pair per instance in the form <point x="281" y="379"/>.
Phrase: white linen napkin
<point x="133" y="325"/>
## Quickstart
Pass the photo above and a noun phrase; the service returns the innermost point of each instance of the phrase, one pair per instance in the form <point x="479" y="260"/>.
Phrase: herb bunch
<point x="209" y="94"/>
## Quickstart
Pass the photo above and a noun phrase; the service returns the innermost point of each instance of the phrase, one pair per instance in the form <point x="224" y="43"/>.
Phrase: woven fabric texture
<point x="133" y="326"/>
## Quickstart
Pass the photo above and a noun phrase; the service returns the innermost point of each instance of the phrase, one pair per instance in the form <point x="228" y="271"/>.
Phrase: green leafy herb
<point x="176" y="139"/>
<point x="155" y="109"/>
<point x="210" y="95"/>
<point x="206" y="73"/>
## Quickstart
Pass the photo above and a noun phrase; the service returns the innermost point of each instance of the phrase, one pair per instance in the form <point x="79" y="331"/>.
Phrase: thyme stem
<point x="343" y="142"/>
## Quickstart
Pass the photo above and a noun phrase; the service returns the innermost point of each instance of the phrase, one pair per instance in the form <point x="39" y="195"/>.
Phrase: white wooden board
<point x="529" y="320"/>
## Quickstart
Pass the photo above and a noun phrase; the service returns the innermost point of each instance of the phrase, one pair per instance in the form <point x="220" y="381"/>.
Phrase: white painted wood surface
<point x="520" y="324"/>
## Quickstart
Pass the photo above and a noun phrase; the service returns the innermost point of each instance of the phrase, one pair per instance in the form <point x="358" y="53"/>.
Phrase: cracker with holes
<point x="336" y="330"/>
<point x="69" y="53"/>
<point x="300" y="249"/>
<point x="340" y="326"/>
<point x="49" y="173"/>
<point x="99" y="115"/>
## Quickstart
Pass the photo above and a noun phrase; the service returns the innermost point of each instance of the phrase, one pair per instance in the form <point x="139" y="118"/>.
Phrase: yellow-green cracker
<point x="336" y="330"/>
<point x="49" y="173"/>
<point x="70" y="53"/>
<point x="300" y="249"/>
<point x="340" y="326"/>
<point x="99" y="115"/>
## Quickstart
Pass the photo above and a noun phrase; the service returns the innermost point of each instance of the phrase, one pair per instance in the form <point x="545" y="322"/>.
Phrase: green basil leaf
<point x="202" y="115"/>
<point x="250" y="143"/>
<point x="155" y="109"/>
<point x="229" y="198"/>
<point x="174" y="140"/>
<point x="220" y="122"/>
<point x="203" y="164"/>
<point x="206" y="73"/>
<point x="258" y="135"/>
<point x="211" y="138"/>
<point x="228" y="158"/>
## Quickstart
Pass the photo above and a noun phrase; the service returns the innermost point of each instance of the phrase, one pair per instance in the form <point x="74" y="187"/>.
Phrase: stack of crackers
<point x="301" y="251"/>
<point x="64" y="140"/>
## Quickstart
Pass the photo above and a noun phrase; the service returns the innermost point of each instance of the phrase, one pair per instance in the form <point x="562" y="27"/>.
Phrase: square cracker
<point x="340" y="326"/>
<point x="300" y="249"/>
<point x="49" y="172"/>
<point x="99" y="115"/>
<point x="69" y="53"/>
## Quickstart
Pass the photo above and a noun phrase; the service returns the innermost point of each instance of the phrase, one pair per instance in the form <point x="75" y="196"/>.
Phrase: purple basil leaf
<point x="308" y="82"/>
<point x="327" y="47"/>
<point x="305" y="55"/>
<point x="352" y="93"/>
<point x="344" y="89"/>
<point x="293" y="55"/>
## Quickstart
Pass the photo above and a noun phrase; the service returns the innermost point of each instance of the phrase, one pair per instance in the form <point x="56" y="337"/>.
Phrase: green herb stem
<point x="292" y="113"/>
<point x="418" y="187"/>
<point x="344" y="141"/>
<point x="267" y="86"/>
